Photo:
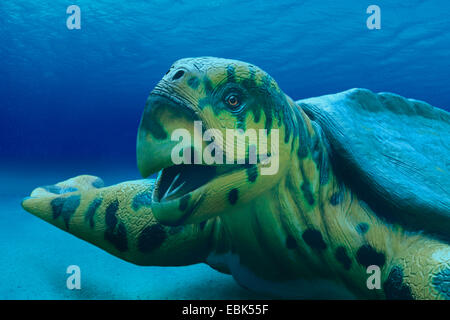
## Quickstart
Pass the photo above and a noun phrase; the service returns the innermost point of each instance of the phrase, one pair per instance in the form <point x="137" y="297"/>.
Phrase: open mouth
<point x="179" y="180"/>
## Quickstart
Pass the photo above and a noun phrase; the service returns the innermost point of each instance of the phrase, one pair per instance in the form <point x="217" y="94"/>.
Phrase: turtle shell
<point x="392" y="151"/>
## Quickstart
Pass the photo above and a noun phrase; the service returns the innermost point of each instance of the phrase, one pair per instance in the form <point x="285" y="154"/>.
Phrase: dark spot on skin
<point x="118" y="237"/>
<point x="58" y="190"/>
<point x="316" y="139"/>
<point x="155" y="128"/>
<point x="98" y="183"/>
<point x="288" y="119"/>
<point x="291" y="243"/>
<point x="441" y="282"/>
<point x="319" y="153"/>
<point x="256" y="115"/>
<point x="292" y="146"/>
<point x="233" y="196"/>
<point x="313" y="238"/>
<point x="57" y="206"/>
<point x="193" y="82"/>
<point x="110" y="214"/>
<point x="151" y="238"/>
<point x="394" y="288"/>
<point x="362" y="228"/>
<point x="323" y="167"/>
<point x="203" y="102"/>
<point x="202" y="225"/>
<point x="263" y="99"/>
<point x="302" y="151"/>
<point x="315" y="147"/>
<point x="252" y="173"/>
<point x="241" y="117"/>
<point x="89" y="216"/>
<point x="367" y="256"/>
<point x="65" y="207"/>
<point x="302" y="135"/>
<point x="52" y="189"/>
<point x="287" y="135"/>
<point x="342" y="256"/>
<point x="231" y="73"/>
<point x="267" y="108"/>
<point x="250" y="81"/>
<point x="190" y="209"/>
<point x="336" y="198"/>
<point x="184" y="201"/>
<point x="306" y="189"/>
<point x="142" y="199"/>
<point x="208" y="86"/>
<point x="150" y="119"/>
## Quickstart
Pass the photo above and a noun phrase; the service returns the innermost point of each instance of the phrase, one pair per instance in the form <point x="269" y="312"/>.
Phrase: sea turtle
<point x="362" y="187"/>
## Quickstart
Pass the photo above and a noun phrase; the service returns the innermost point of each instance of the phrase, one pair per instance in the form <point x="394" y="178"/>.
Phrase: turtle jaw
<point x="186" y="194"/>
<point x="179" y="180"/>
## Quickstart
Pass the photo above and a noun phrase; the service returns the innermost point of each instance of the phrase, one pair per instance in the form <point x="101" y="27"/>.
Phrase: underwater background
<point x="71" y="101"/>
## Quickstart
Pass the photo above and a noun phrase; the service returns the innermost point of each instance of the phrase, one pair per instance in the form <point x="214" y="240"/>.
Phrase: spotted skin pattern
<point x="301" y="225"/>
<point x="111" y="219"/>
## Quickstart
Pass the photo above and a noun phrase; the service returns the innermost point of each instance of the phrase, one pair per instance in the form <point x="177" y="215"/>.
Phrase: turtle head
<point x="215" y="132"/>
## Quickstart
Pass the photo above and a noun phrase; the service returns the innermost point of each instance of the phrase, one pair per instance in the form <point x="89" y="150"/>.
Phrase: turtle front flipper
<point x="119" y="220"/>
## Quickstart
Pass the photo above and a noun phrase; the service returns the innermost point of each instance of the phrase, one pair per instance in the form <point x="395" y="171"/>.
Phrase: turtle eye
<point x="233" y="101"/>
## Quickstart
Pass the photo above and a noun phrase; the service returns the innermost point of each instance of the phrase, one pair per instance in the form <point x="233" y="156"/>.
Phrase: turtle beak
<point x="163" y="114"/>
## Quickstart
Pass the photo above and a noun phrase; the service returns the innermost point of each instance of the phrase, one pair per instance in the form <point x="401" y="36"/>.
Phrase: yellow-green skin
<point x="299" y="233"/>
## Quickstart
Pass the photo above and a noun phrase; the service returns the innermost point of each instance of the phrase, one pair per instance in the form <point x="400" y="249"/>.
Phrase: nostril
<point x="178" y="75"/>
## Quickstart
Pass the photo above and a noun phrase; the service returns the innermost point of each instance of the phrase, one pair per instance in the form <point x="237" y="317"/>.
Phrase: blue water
<point x="70" y="103"/>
